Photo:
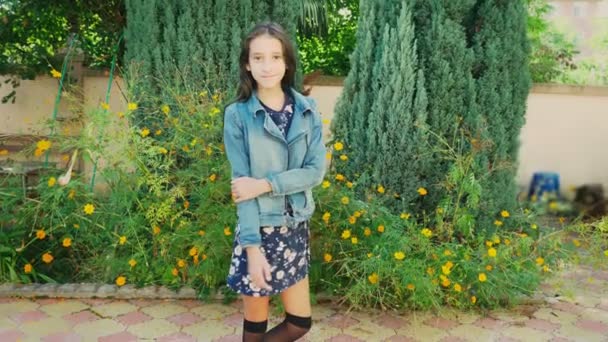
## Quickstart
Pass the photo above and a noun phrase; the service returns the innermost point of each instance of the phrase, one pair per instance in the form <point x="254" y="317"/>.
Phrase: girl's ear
<point x="247" y="67"/>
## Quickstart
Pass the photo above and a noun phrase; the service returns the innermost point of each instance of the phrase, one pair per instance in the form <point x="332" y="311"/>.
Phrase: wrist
<point x="265" y="185"/>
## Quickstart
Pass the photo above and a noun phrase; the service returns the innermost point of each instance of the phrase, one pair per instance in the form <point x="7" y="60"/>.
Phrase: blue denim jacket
<point x="294" y="165"/>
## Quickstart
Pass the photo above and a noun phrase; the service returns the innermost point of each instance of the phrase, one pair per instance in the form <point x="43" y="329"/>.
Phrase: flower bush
<point x="165" y="217"/>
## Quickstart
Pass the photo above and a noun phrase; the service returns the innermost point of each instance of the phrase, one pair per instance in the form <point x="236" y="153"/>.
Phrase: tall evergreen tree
<point x="502" y="86"/>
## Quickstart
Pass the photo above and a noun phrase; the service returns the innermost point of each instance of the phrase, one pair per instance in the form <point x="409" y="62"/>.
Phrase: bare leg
<point x="256" y="318"/>
<point x="296" y="300"/>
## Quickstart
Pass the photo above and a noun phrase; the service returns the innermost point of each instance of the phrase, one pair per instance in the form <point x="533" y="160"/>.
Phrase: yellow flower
<point x="52" y="182"/>
<point x="326" y="217"/>
<point x="430" y="271"/>
<point x="496" y="240"/>
<point x="492" y="252"/>
<point x="327" y="257"/>
<point x="553" y="205"/>
<point x="345" y="234"/>
<point x="445" y="282"/>
<point x="121" y="280"/>
<point x="122" y="240"/>
<point x="540" y="261"/>
<point x="369" y="255"/>
<point x="43" y="145"/>
<point x="606" y="253"/>
<point x="203" y="93"/>
<point x="357" y="213"/>
<point x="447" y="252"/>
<point x="158" y="132"/>
<point x="55" y="73"/>
<point x="67" y="242"/>
<point x="422" y="191"/>
<point x="505" y="214"/>
<point x="132" y="262"/>
<point x="534" y="226"/>
<point x="3" y="152"/>
<point x="482" y="277"/>
<point x="144" y="132"/>
<point x="340" y="177"/>
<point x="213" y="177"/>
<point x="411" y="287"/>
<point x="328" y="155"/>
<point x="367" y="231"/>
<point x="38" y="152"/>
<point x="405" y="216"/>
<point x="445" y="269"/>
<point x="181" y="263"/>
<point x="381" y="228"/>
<point x="576" y="243"/>
<point x="76" y="225"/>
<point x="489" y="268"/>
<point x="89" y="209"/>
<point x="227" y="231"/>
<point x="352" y="220"/>
<point x="165" y="109"/>
<point x="47" y="258"/>
<point x="105" y="106"/>
<point x="186" y="204"/>
<point x="325" y="184"/>
<point x="27" y="268"/>
<point x="40" y="234"/>
<point x="534" y="198"/>
<point x="349" y="184"/>
<point x="507" y="242"/>
<point x="120" y="115"/>
<point x="156" y="230"/>
<point x="71" y="194"/>
<point x="193" y="251"/>
<point x="473" y="299"/>
<point x="498" y="223"/>
<point x="201" y="232"/>
<point x="489" y="243"/>
<point x="175" y="272"/>
<point x="208" y="150"/>
<point x="546" y="268"/>
<point x="132" y="106"/>
<point x="338" y="146"/>
<point x="373" y="278"/>
<point x="354" y="240"/>
<point x="326" y="121"/>
<point x="457" y="287"/>
<point x="562" y="219"/>
<point x="380" y="189"/>
<point x="215" y="97"/>
<point x="345" y="200"/>
<point x="426" y="232"/>
<point x="399" y="255"/>
<point x="343" y="157"/>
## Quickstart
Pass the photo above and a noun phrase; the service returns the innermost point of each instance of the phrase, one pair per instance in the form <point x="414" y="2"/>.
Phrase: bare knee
<point x="255" y="309"/>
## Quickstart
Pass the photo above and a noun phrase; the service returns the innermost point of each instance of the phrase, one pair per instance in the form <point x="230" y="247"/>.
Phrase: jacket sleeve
<point x="237" y="152"/>
<point x="313" y="170"/>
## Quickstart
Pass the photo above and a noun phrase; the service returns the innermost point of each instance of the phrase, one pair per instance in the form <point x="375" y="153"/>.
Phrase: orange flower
<point x="47" y="258"/>
<point x="67" y="242"/>
<point x="28" y="268"/>
<point x="40" y="234"/>
<point x="121" y="280"/>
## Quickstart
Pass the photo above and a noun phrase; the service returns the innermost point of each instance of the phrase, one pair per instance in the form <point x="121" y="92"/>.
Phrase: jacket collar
<point x="301" y="105"/>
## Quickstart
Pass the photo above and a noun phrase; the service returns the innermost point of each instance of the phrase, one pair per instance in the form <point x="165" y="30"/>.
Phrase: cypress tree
<point x="502" y="86"/>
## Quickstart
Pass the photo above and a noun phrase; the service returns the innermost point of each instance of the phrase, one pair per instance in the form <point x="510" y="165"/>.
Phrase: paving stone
<point x="153" y="328"/>
<point x="163" y="310"/>
<point x="114" y="309"/>
<point x="177" y="337"/>
<point x="595" y="314"/>
<point x="322" y="332"/>
<point x="229" y="338"/>
<point x="190" y="303"/>
<point x="391" y="321"/>
<point x="80" y="317"/>
<point x="214" y="311"/>
<point x="345" y="338"/>
<point x="440" y="323"/>
<point x="422" y="332"/>
<point x="209" y="330"/>
<point x="453" y="339"/>
<point x="592" y="325"/>
<point x="340" y="321"/>
<point x="11" y="335"/>
<point x="44" y="327"/>
<point x="122" y="336"/>
<point x="63" y="337"/>
<point x="542" y="325"/>
<point x="91" y="331"/>
<point x="473" y="333"/>
<point x="567" y="307"/>
<point x="369" y="331"/>
<point x="570" y="331"/>
<point x="489" y="323"/>
<point x="132" y="318"/>
<point x="185" y="319"/>
<point x="555" y="316"/>
<point x="236" y="320"/>
<point x="16" y="306"/>
<point x="400" y="338"/>
<point x="29" y="316"/>
<point x="525" y="333"/>
<point x="64" y="308"/>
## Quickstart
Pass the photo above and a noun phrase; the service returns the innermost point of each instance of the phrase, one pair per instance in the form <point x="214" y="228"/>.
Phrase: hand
<point x="246" y="188"/>
<point x="258" y="268"/>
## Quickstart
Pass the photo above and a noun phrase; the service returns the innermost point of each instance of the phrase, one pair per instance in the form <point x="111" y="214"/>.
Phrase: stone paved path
<point x="579" y="313"/>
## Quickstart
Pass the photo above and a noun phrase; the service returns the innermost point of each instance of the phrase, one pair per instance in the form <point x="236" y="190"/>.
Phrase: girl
<point x="273" y="140"/>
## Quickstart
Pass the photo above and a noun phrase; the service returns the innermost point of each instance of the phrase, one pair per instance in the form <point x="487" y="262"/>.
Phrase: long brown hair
<point x="247" y="84"/>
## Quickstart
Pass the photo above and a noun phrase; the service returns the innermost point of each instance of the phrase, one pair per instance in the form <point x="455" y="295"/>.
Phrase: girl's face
<point x="266" y="62"/>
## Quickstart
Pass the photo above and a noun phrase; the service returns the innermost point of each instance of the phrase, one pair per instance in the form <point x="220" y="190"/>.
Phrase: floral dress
<point x="286" y="248"/>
